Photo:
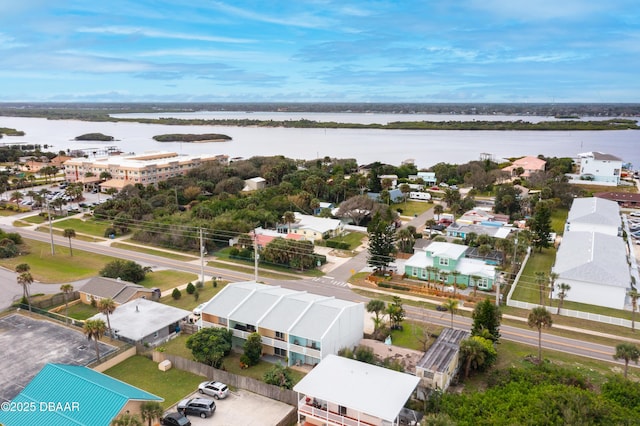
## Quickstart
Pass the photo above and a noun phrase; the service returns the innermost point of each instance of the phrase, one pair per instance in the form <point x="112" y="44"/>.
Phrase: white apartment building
<point x="147" y="168"/>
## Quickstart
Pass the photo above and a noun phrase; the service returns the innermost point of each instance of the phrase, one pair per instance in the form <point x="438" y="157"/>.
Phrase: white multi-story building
<point x="147" y="168"/>
<point x="602" y="168"/>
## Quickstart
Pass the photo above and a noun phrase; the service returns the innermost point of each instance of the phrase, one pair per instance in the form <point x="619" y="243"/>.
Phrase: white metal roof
<point x="594" y="211"/>
<point x="258" y="303"/>
<point x="290" y="308"/>
<point x="367" y="388"/>
<point x="318" y="224"/>
<point x="140" y="318"/>
<point x="449" y="250"/>
<point x="593" y="257"/>
<point x="228" y="299"/>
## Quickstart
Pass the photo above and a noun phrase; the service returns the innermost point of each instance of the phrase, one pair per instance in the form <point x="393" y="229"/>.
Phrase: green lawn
<point x="247" y="268"/>
<point x="89" y="227"/>
<point x="412" y="333"/>
<point x="188" y="301"/>
<point x="154" y="252"/>
<point x="81" y="311"/>
<point x="354" y="239"/>
<point x="167" y="279"/>
<point x="45" y="228"/>
<point x="558" y="219"/>
<point x="527" y="290"/>
<point x="60" y="267"/>
<point x="178" y="347"/>
<point x="36" y="219"/>
<point x="411" y="208"/>
<point x="172" y="385"/>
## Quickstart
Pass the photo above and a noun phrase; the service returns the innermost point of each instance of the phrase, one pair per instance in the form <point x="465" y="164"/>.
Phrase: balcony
<point x="309" y="407"/>
<point x="304" y="350"/>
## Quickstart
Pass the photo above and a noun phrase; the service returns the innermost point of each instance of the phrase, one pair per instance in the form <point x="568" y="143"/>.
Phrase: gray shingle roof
<point x="118" y="290"/>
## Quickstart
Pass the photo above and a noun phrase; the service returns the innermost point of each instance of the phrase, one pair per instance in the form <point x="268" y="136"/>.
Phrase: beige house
<point x="312" y="228"/>
<point x="529" y="164"/>
<point x="98" y="288"/>
<point x="440" y="363"/>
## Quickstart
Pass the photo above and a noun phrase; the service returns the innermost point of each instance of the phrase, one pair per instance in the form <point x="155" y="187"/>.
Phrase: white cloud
<point x="118" y="30"/>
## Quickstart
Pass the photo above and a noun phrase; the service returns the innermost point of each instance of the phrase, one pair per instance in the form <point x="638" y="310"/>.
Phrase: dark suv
<point x="202" y="407"/>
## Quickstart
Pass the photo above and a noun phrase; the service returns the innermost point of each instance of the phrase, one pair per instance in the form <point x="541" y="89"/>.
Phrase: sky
<point x="505" y="51"/>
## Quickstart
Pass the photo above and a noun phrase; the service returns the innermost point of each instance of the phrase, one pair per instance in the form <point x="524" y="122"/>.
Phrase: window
<point x="342" y="410"/>
<point x="443" y="261"/>
<point x="280" y="352"/>
<point x="279" y="335"/>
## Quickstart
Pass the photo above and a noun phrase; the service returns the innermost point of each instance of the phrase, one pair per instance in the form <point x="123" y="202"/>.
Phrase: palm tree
<point x="633" y="295"/>
<point x="475" y="279"/>
<point x="431" y="270"/>
<point x="564" y="289"/>
<point x="107" y="307"/>
<point x="94" y="329"/>
<point x="444" y="278"/>
<point x="25" y="279"/>
<point x="438" y="210"/>
<point x="16" y="196"/>
<point x="628" y="352"/>
<point x="452" y="306"/>
<point x="126" y="419"/>
<point x="376" y="306"/>
<point x="455" y="275"/>
<point x="472" y="353"/>
<point x="539" y="317"/>
<point x="66" y="290"/>
<point x="150" y="411"/>
<point x="541" y="281"/>
<point x="553" y="276"/>
<point x="289" y="218"/>
<point x="70" y="233"/>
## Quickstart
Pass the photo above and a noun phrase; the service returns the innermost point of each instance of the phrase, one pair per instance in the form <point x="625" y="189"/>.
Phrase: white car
<point x="198" y="309"/>
<point x="215" y="389"/>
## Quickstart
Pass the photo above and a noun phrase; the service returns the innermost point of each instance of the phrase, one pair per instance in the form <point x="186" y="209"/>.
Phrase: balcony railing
<point x="305" y="351"/>
<point x="329" y="417"/>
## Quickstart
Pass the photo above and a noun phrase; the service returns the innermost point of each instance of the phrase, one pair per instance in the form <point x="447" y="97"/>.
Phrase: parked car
<point x="441" y="308"/>
<point x="217" y="390"/>
<point x="634" y="214"/>
<point x="175" y="419"/>
<point x="202" y="407"/>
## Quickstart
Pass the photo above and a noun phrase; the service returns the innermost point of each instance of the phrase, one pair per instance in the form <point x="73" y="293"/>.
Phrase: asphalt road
<point x="332" y="286"/>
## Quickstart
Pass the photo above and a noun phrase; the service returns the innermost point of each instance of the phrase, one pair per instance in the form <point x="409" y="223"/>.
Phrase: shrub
<point x="191" y="288"/>
<point x="234" y="251"/>
<point x="176" y="294"/>
<point x="199" y="284"/>
<point x="109" y="232"/>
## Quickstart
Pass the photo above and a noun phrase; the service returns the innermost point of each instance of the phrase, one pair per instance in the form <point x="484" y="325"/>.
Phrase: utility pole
<point x="53" y="249"/>
<point x="256" y="256"/>
<point x="201" y="257"/>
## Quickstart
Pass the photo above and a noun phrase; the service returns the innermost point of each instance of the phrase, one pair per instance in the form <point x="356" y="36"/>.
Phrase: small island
<point x="187" y="137"/>
<point x="94" y="137"/>
<point x="10" y="132"/>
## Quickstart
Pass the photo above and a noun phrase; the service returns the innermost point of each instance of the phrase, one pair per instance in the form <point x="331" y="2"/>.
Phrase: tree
<point x="66" y="290"/>
<point x="472" y="354"/>
<point x="541" y="281"/>
<point x="381" y="242"/>
<point x="475" y="279"/>
<point x="252" y="349"/>
<point x="486" y="317"/>
<point x="190" y="288"/>
<point x="151" y="410"/>
<point x="539" y="318"/>
<point x="70" y="233"/>
<point x="25" y="279"/>
<point x="627" y="352"/>
<point x="126" y="270"/>
<point x="210" y="345"/>
<point x="438" y="209"/>
<point x="107" y="307"/>
<point x="405" y="189"/>
<point x="176" y="294"/>
<point x="405" y="240"/>
<point x="455" y="274"/>
<point x="279" y="375"/>
<point x="94" y="330"/>
<point x="564" y="289"/>
<point x="126" y="419"/>
<point x="396" y="312"/>
<point x="553" y="276"/>
<point x="376" y="307"/>
<point x="633" y="295"/>
<point x="288" y="218"/>
<point x="540" y="226"/>
<point x="16" y="196"/>
<point x="452" y="307"/>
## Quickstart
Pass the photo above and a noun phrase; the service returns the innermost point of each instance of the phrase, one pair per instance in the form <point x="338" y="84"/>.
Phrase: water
<point x="426" y="147"/>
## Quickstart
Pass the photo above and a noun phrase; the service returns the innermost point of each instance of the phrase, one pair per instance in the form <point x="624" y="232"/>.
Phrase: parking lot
<point x="242" y="408"/>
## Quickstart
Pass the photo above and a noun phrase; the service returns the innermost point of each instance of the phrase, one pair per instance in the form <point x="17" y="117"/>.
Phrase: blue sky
<point x="320" y="51"/>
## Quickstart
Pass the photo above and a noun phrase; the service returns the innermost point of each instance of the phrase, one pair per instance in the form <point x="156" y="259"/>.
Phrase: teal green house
<point x="70" y="395"/>
<point x="446" y="262"/>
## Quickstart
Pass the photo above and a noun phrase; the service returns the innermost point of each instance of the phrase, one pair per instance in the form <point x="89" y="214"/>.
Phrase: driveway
<point x="242" y="407"/>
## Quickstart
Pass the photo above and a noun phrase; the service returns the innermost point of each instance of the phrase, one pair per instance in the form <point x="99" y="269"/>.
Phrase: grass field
<point x="58" y="268"/>
<point x="188" y="301"/>
<point x="558" y="219"/>
<point x="172" y="385"/>
<point x="81" y="311"/>
<point x="88" y="227"/>
<point x="411" y="208"/>
<point x="152" y="251"/>
<point x="247" y="268"/>
<point x="354" y="239"/>
<point x="167" y="279"/>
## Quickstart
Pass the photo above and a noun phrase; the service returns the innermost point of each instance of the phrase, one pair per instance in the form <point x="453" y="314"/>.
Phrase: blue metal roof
<point x="69" y="395"/>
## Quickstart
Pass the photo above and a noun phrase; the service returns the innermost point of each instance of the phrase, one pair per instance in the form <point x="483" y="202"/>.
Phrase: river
<point x="425" y="147"/>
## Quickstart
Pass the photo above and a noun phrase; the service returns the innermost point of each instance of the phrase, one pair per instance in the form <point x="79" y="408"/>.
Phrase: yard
<point x="61" y="267"/>
<point x="412" y="208"/>
<point x="172" y="385"/>
<point x="167" y="279"/>
<point x="89" y="227"/>
<point x="188" y="302"/>
<point x="354" y="239"/>
<point x="80" y="311"/>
